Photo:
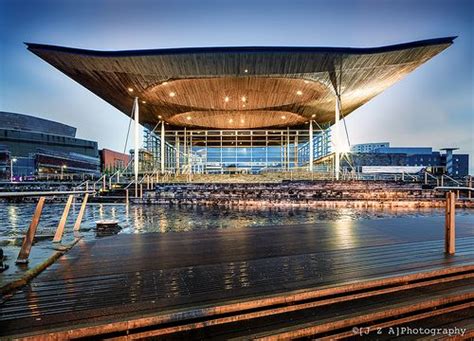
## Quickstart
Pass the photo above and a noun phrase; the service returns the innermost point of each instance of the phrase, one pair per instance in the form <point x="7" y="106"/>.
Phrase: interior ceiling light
<point x="246" y="71"/>
<point x="172" y="94"/>
<point x="130" y="89"/>
<point x="164" y="83"/>
<point x="313" y="115"/>
<point x="299" y="92"/>
<point x="231" y="120"/>
<point x="244" y="99"/>
<point x="226" y="98"/>
<point x="306" y="81"/>
<point x="143" y="102"/>
<point x="283" y="117"/>
<point x="188" y="118"/>
<point x="159" y="116"/>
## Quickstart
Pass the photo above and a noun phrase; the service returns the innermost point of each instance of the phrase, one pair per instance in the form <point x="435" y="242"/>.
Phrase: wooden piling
<point x="450" y="227"/>
<point x="141" y="190"/>
<point x="30" y="234"/>
<point x="59" y="231"/>
<point x="77" y="224"/>
<point x="126" y="196"/>
<point x="470" y="186"/>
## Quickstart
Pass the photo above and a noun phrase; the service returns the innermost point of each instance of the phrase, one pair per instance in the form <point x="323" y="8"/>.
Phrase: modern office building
<point x="381" y="154"/>
<point x="240" y="109"/>
<point x="33" y="147"/>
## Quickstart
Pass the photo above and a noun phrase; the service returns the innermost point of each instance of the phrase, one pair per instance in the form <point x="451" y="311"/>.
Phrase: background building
<point x="437" y="162"/>
<point x="36" y="147"/>
<point x="112" y="161"/>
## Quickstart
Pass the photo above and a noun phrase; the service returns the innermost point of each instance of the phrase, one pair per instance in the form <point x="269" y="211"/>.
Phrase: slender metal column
<point x="311" y="146"/>
<point x="337" y="140"/>
<point x="177" y="156"/>
<point x="222" y="165"/>
<point x="295" y="151"/>
<point x="136" y="116"/>
<point x="288" y="148"/>
<point x="207" y="155"/>
<point x="266" y="149"/>
<point x="190" y="151"/>
<point x="162" y="145"/>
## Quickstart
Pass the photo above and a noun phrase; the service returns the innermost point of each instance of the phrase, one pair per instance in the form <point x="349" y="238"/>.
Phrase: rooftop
<point x="240" y="87"/>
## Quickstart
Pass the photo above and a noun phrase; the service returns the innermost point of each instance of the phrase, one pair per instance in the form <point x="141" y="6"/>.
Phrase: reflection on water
<point x="138" y="219"/>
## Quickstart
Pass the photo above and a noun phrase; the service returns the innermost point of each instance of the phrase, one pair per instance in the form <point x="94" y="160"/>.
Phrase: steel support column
<point x="337" y="140"/>
<point x="162" y="147"/>
<point x="311" y="146"/>
<point x="136" y="116"/>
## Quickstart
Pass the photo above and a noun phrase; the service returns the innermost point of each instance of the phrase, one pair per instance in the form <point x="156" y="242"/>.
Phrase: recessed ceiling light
<point x="130" y="89"/>
<point x="306" y="81"/>
<point x="226" y="98"/>
<point x="246" y="70"/>
<point x="172" y="94"/>
<point x="231" y="120"/>
<point x="144" y="102"/>
<point x="164" y="83"/>
<point x="159" y="116"/>
<point x="243" y="105"/>
<point x="299" y="92"/>
<point x="244" y="98"/>
<point x="188" y="118"/>
<point x="313" y="115"/>
<point x="242" y="121"/>
<point x="283" y="117"/>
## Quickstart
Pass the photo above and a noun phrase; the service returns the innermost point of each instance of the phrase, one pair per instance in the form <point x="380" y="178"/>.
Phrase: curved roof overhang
<point x="240" y="87"/>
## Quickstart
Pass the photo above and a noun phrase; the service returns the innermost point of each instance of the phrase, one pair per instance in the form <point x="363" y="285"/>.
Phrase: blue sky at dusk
<point x="433" y="106"/>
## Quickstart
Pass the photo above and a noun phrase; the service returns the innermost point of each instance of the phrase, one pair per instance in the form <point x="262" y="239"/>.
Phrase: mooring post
<point x="470" y="186"/>
<point x="30" y="234"/>
<point x="126" y="196"/>
<point x="59" y="231"/>
<point x="77" y="224"/>
<point x="141" y="190"/>
<point x="104" y="179"/>
<point x="450" y="227"/>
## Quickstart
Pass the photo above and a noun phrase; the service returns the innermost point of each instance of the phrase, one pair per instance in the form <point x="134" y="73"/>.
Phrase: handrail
<point x="38" y="194"/>
<point x="431" y="175"/>
<point x="450" y="178"/>
<point x="457" y="188"/>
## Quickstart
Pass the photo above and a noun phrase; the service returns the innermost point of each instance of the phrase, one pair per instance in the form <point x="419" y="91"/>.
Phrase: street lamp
<point x="12" y="161"/>
<point x="63" y="167"/>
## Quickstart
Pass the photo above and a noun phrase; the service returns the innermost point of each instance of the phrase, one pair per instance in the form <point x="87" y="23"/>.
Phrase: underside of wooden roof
<point x="240" y="87"/>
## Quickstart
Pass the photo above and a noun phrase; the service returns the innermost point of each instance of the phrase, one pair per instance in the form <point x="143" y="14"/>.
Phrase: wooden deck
<point x="131" y="275"/>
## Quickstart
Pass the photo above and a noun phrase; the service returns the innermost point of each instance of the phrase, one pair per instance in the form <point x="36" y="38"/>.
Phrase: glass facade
<point x="236" y="151"/>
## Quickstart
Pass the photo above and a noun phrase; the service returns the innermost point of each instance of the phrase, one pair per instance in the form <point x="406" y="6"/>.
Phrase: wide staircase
<point x="292" y="193"/>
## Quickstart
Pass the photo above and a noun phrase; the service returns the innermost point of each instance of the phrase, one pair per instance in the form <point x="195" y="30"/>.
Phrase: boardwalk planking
<point x="128" y="275"/>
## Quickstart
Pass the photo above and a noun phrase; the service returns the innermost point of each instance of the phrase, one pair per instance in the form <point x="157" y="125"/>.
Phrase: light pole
<point x="63" y="167"/>
<point x="12" y="161"/>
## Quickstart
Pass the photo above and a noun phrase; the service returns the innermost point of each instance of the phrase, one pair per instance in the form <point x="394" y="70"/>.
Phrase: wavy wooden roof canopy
<point x="240" y="87"/>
